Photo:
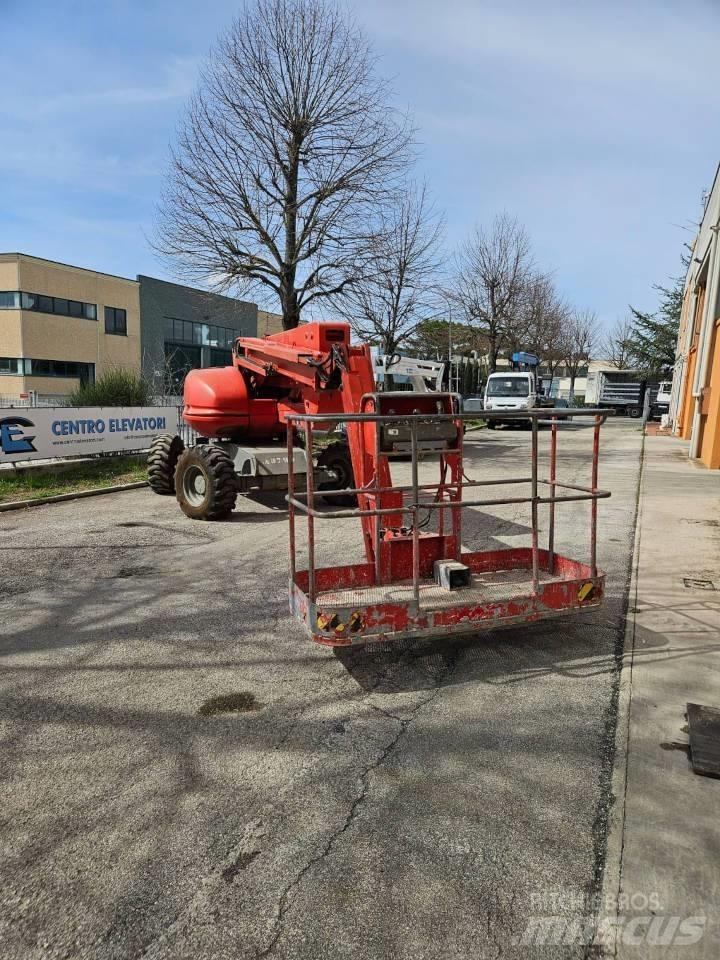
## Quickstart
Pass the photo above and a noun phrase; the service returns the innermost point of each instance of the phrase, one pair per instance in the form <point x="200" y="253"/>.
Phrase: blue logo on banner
<point x="12" y="437"/>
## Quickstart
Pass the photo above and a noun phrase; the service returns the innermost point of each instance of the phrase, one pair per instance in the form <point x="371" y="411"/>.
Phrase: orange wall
<point x="688" y="405"/>
<point x="710" y="439"/>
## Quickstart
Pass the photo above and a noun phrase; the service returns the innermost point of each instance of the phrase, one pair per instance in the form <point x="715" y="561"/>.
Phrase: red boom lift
<point x="416" y="579"/>
<point x="241" y="412"/>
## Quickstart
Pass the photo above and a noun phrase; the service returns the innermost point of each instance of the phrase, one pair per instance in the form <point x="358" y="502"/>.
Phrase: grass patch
<point x="241" y="702"/>
<point x="89" y="475"/>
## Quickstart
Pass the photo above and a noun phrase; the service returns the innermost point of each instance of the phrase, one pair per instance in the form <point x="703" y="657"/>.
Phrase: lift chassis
<point x="241" y="415"/>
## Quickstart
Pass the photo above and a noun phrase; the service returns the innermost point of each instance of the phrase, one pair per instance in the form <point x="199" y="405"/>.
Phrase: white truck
<point x="510" y="391"/>
<point x="625" y="391"/>
<point x="661" y="403"/>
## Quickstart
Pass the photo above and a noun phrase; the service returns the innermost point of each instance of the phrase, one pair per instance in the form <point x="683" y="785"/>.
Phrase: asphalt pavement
<point x="416" y="801"/>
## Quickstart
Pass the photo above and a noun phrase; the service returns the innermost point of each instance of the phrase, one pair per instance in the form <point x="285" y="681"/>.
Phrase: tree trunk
<point x="390" y="348"/>
<point x="288" y="293"/>
<point x="289" y="305"/>
<point x="493" y="355"/>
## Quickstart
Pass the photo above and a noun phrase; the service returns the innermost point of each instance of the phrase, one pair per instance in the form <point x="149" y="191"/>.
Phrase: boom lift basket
<point x="421" y="584"/>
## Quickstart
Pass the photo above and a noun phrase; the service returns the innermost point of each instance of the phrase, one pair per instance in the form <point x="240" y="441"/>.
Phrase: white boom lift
<point x="426" y="376"/>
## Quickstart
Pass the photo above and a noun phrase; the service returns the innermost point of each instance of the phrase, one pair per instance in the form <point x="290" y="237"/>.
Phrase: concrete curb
<point x="612" y="876"/>
<point x="79" y="495"/>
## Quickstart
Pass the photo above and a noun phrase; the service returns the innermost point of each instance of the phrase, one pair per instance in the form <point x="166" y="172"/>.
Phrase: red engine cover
<point x="217" y="404"/>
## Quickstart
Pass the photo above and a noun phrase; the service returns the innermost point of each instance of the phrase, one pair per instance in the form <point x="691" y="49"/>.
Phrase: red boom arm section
<point x="313" y="369"/>
<point x="297" y="371"/>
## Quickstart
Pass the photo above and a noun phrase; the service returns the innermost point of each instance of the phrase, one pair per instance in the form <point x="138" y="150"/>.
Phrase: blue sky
<point x="595" y="123"/>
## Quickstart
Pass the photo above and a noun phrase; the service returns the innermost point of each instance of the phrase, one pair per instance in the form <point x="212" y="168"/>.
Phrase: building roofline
<point x="59" y="263"/>
<point x="709" y="195"/>
<point x="184" y="286"/>
<point x="7" y="256"/>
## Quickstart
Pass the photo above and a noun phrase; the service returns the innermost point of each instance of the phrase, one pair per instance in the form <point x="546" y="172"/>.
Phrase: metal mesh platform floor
<point x="494" y="585"/>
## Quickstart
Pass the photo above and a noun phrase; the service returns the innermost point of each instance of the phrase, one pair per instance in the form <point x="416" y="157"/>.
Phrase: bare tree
<point x="542" y="321"/>
<point x="286" y="152"/>
<point x="617" y="345"/>
<point x="581" y="335"/>
<point x="524" y="327"/>
<point x="399" y="287"/>
<point x="492" y="271"/>
<point x="552" y="348"/>
<point x="434" y="337"/>
<point x="540" y="325"/>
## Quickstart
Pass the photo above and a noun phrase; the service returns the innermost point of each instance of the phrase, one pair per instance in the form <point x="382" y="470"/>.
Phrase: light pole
<point x="450" y="347"/>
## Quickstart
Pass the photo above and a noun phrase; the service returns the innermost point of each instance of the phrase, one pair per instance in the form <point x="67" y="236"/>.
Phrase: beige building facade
<point x="695" y="399"/>
<point x="62" y="325"/>
<point x="268" y="323"/>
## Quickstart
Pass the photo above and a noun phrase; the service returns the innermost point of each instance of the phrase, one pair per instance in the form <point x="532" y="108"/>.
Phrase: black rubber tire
<point x="165" y="452"/>
<point x="635" y="413"/>
<point x="336" y="456"/>
<point x="491" y="424"/>
<point x="214" y="466"/>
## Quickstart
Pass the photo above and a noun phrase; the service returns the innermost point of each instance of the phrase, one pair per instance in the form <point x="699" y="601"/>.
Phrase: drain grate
<point x="694" y="584"/>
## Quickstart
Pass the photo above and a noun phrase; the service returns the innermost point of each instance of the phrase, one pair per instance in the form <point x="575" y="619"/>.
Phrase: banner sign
<point x="35" y="433"/>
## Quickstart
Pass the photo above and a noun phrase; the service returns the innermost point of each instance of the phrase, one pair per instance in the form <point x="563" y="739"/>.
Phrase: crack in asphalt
<point x="284" y="903"/>
<point x="253" y="829"/>
<point x="498" y="938"/>
<point x="244" y="847"/>
<point x="385" y="713"/>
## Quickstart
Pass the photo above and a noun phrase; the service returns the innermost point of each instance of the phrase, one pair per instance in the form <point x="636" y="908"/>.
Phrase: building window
<point x="44" y="368"/>
<point x="116" y="321"/>
<point x="24" y="366"/>
<point x="11" y="366"/>
<point x="199" y="334"/>
<point x="220" y="358"/>
<point x="179" y="359"/>
<point x="43" y="303"/>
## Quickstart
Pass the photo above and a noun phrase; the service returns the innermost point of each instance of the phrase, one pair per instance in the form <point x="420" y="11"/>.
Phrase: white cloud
<point x="176" y="80"/>
<point x="612" y="43"/>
